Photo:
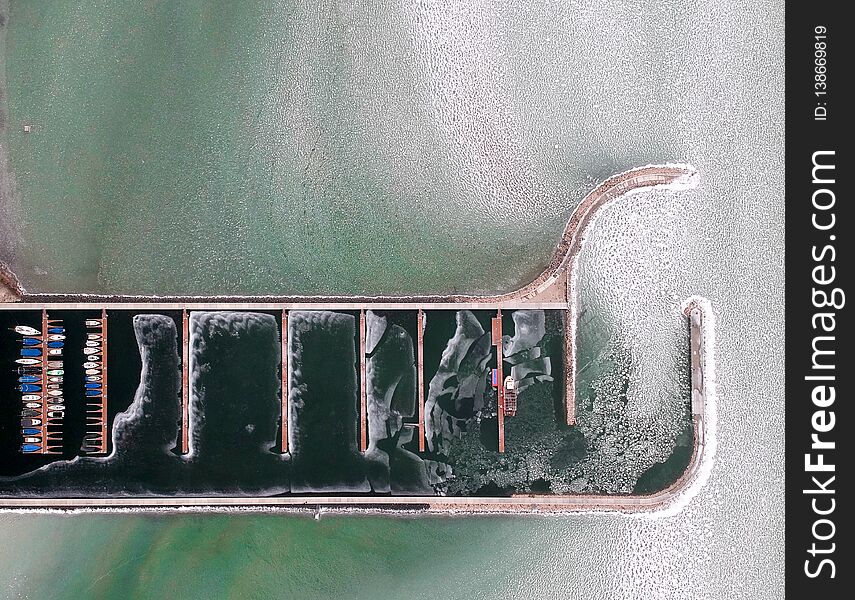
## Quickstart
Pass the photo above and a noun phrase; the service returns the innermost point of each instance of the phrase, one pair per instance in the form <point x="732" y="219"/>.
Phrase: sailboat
<point x="25" y="330"/>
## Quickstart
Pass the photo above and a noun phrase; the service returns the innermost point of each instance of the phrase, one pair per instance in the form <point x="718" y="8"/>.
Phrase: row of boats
<point x="40" y="380"/>
<point x="41" y="376"/>
<point x="95" y="385"/>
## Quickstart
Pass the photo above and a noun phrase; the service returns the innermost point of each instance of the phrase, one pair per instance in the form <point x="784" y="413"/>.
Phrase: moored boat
<point x="92" y="386"/>
<point x="55" y="379"/>
<point x="93" y="336"/>
<point x="56" y="330"/>
<point x="30" y="422"/>
<point x="54" y="351"/>
<point x="32" y="341"/>
<point x="32" y="440"/>
<point x="30" y="431"/>
<point x="93" y="378"/>
<point x="55" y="344"/>
<point x="30" y="397"/>
<point x="93" y="372"/>
<point x="93" y="392"/>
<point x="33" y="404"/>
<point x="26" y="330"/>
<point x="54" y="364"/>
<point x="30" y="352"/>
<point x="56" y="372"/>
<point x="30" y="448"/>
<point x="56" y="407"/>
<point x="29" y="387"/>
<point x="29" y="412"/>
<point x="91" y="365"/>
<point x="29" y="379"/>
<point x="93" y="343"/>
<point x="91" y="351"/>
<point x="54" y="392"/>
<point x="93" y="322"/>
<point x="28" y="361"/>
<point x="57" y="414"/>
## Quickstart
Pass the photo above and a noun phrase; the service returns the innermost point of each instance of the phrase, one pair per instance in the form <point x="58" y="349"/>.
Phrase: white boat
<point x="32" y="440"/>
<point x="93" y="371"/>
<point x="55" y="379"/>
<point x="33" y="405"/>
<point x="54" y="392"/>
<point x="25" y="330"/>
<point x="54" y="364"/>
<point x="30" y="397"/>
<point x="93" y="322"/>
<point x="28" y="361"/>
<point x="93" y="336"/>
<point x="93" y="344"/>
<point x="90" y="351"/>
<point x="56" y="338"/>
<point x="91" y="365"/>
<point x="56" y="407"/>
<point x="54" y="351"/>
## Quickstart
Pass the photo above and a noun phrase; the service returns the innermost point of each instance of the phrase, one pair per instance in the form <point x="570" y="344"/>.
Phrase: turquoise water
<point x="427" y="141"/>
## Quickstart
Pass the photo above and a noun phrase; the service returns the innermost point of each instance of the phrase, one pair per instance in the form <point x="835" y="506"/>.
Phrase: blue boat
<point x="29" y="387"/>
<point x="93" y="392"/>
<point x="30" y="448"/>
<point x="30" y="431"/>
<point x="29" y="379"/>
<point x="55" y="344"/>
<point x="56" y="330"/>
<point x="32" y="341"/>
<point x="30" y="352"/>
<point x="93" y="386"/>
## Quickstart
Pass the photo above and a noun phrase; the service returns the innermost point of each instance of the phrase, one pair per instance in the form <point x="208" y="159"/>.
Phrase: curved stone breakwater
<point x="553" y="288"/>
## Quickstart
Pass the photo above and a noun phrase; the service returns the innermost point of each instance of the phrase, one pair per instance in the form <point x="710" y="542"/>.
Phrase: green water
<point x="326" y="147"/>
<point x="198" y="148"/>
<point x="259" y="556"/>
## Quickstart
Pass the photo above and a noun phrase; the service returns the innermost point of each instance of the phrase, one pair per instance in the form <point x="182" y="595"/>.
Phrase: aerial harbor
<point x="352" y="299"/>
<point x="458" y="402"/>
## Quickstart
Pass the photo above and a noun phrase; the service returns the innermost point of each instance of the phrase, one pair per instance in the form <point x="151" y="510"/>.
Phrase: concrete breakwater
<point x="554" y="288"/>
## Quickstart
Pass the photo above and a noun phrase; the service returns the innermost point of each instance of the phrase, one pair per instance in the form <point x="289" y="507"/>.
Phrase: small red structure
<point x="510" y="396"/>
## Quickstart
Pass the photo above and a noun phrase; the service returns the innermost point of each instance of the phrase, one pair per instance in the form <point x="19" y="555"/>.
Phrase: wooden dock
<point x="185" y="382"/>
<point x="45" y="400"/>
<point x="363" y="398"/>
<point x="283" y="446"/>
<point x="95" y="441"/>
<point x="105" y="446"/>
<point x="500" y="389"/>
<point x="420" y="366"/>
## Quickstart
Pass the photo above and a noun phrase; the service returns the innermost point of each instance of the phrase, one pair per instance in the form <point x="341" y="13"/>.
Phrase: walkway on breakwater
<point x="554" y="288"/>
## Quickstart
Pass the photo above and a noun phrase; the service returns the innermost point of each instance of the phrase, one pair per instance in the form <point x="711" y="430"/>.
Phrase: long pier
<point x="185" y="382"/>
<point x="363" y="395"/>
<point x="286" y="379"/>
<point x="500" y="388"/>
<point x="420" y="368"/>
